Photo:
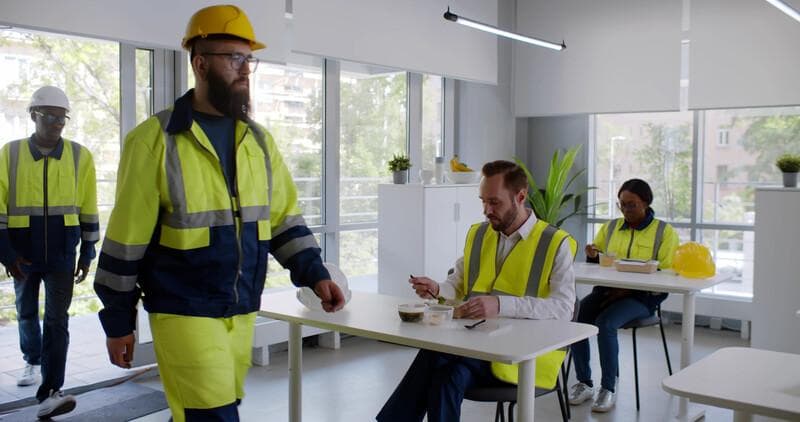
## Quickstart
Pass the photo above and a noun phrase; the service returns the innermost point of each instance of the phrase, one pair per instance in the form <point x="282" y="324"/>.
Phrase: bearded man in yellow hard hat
<point x="203" y="196"/>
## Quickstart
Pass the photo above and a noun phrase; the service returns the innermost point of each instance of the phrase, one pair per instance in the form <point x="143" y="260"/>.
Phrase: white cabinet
<point x="421" y="231"/>
<point x="776" y="274"/>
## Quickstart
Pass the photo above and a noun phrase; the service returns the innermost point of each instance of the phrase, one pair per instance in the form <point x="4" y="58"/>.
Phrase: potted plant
<point x="549" y="201"/>
<point x="399" y="165"/>
<point x="789" y="164"/>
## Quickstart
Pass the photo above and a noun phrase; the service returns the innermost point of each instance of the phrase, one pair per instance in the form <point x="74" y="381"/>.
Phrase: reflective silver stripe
<point x="3" y="218"/>
<point x="198" y="219"/>
<point x="13" y="163"/>
<point x="659" y="238"/>
<point x="120" y="283"/>
<point x="254" y="213"/>
<point x="535" y="274"/>
<point x="76" y="158"/>
<point x="90" y="236"/>
<point x="177" y="188"/>
<point x="123" y="252"/>
<point x="89" y="218"/>
<point x="289" y="222"/>
<point x="262" y="142"/>
<point x="294" y="246"/>
<point x="3" y="226"/>
<point x="39" y="211"/>
<point x="611" y="226"/>
<point x="475" y="256"/>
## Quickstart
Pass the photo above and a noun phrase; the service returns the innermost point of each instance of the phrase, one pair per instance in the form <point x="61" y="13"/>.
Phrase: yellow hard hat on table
<point x="224" y="19"/>
<point x="693" y="260"/>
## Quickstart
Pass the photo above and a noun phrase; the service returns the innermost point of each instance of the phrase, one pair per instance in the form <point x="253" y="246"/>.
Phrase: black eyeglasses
<point x="236" y="60"/>
<point x="52" y="119"/>
<point x="627" y="205"/>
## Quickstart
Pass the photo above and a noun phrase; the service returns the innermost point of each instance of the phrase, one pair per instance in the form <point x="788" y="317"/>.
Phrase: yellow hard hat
<point x="221" y="19"/>
<point x="693" y="260"/>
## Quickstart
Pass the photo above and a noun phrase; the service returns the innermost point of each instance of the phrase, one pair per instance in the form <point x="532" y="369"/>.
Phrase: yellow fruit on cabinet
<point x="457" y="166"/>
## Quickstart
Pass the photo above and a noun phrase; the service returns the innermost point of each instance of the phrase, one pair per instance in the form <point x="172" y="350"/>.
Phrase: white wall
<point x="622" y="55"/>
<point x="149" y="23"/>
<point x="409" y="34"/>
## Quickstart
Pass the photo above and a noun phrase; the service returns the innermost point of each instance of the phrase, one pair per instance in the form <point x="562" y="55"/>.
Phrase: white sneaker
<point x="605" y="401"/>
<point x="579" y="393"/>
<point x="57" y="404"/>
<point x="29" y="376"/>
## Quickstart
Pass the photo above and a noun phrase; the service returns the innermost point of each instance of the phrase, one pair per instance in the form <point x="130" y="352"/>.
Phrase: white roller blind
<point x="143" y="22"/>
<point x="743" y="53"/>
<point x="621" y="56"/>
<point x="406" y="34"/>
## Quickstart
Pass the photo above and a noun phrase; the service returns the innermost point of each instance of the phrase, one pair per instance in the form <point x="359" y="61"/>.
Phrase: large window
<point x="432" y="136"/>
<point x="88" y="71"/>
<point x="736" y="151"/>
<point x="372" y="128"/>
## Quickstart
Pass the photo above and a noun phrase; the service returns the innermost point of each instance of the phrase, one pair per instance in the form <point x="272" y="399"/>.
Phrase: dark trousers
<point x="48" y="349"/>
<point x="435" y="384"/>
<point x="608" y="318"/>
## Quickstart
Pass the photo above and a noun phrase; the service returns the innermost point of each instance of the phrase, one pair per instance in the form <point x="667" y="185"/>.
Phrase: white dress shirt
<point x="558" y="305"/>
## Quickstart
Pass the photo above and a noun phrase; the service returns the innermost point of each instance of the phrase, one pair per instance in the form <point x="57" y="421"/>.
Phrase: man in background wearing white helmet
<point x="203" y="196"/>
<point x="48" y="205"/>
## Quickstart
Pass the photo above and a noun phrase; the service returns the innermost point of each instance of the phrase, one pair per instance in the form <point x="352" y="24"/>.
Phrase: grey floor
<point x="352" y="383"/>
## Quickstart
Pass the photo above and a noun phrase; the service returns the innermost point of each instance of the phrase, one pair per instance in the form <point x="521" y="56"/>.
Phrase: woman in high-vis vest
<point x="514" y="266"/>
<point x="638" y="235"/>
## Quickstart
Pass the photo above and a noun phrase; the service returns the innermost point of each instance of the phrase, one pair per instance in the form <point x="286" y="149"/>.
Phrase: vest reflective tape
<point x="475" y="256"/>
<point x="76" y="159"/>
<point x="537" y="268"/>
<point x="3" y="221"/>
<point x="123" y="252"/>
<point x="612" y="225"/>
<point x="89" y="218"/>
<point x="289" y="222"/>
<point x="13" y="162"/>
<point x="120" y="283"/>
<point x="254" y="213"/>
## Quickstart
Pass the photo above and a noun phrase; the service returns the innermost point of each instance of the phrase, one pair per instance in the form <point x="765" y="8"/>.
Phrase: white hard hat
<point x="307" y="297"/>
<point x="49" y="96"/>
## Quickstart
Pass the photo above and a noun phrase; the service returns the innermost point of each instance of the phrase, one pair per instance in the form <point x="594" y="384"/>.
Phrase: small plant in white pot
<point x="789" y="164"/>
<point x="399" y="165"/>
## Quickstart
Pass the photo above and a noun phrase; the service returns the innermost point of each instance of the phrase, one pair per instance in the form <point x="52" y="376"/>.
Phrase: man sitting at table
<point x="514" y="266"/>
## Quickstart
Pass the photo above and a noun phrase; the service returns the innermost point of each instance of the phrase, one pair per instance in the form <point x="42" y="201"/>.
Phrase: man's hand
<point x="424" y="286"/>
<point x="330" y="294"/>
<point x="120" y="350"/>
<point x="16" y="271"/>
<point x="81" y="272"/>
<point x="591" y="251"/>
<point x="479" y="307"/>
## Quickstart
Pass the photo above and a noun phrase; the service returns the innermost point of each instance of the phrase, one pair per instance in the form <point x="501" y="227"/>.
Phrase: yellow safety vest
<point x="656" y="241"/>
<point x="525" y="272"/>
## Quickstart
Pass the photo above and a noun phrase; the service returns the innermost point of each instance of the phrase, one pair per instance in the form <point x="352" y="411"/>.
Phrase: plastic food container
<point x="633" y="266"/>
<point x="438" y="314"/>
<point x="606" y="260"/>
<point x="411" y="312"/>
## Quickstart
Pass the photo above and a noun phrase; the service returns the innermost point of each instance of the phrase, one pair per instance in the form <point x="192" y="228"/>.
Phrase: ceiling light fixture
<point x="785" y="8"/>
<point x="495" y="30"/>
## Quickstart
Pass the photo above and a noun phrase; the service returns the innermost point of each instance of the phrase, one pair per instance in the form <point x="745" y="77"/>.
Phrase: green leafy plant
<point x="399" y="163"/>
<point x="549" y="201"/>
<point x="788" y="163"/>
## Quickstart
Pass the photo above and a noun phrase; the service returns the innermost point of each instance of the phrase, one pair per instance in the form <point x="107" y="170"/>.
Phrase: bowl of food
<point x="438" y="314"/>
<point x="411" y="312"/>
<point x="462" y="177"/>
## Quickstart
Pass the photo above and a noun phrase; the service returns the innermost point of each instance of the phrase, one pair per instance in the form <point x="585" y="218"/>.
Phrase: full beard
<point x="230" y="100"/>
<point x="506" y="220"/>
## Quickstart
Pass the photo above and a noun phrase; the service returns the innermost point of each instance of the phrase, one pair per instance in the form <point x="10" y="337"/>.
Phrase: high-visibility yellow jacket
<point x="178" y="234"/>
<point x="47" y="205"/>
<point x="525" y="272"/>
<point x="654" y="239"/>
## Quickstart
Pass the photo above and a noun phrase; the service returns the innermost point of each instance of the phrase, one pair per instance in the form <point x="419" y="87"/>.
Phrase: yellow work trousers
<point x="202" y="361"/>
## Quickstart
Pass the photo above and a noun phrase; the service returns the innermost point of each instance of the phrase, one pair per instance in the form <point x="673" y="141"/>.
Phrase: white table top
<point x="659" y="281"/>
<point x="751" y="380"/>
<point x="375" y="316"/>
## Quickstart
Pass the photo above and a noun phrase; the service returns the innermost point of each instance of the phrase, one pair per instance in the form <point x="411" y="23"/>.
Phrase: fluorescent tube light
<point x="497" y="31"/>
<point x="785" y="8"/>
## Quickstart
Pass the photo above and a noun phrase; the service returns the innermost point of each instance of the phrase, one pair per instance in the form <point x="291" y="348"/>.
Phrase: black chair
<point x="649" y="321"/>
<point x="508" y="393"/>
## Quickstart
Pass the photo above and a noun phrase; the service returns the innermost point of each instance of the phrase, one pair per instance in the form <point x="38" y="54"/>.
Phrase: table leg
<point x="741" y="416"/>
<point x="295" y="372"/>
<point x="687" y="342"/>
<point x="525" y="388"/>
